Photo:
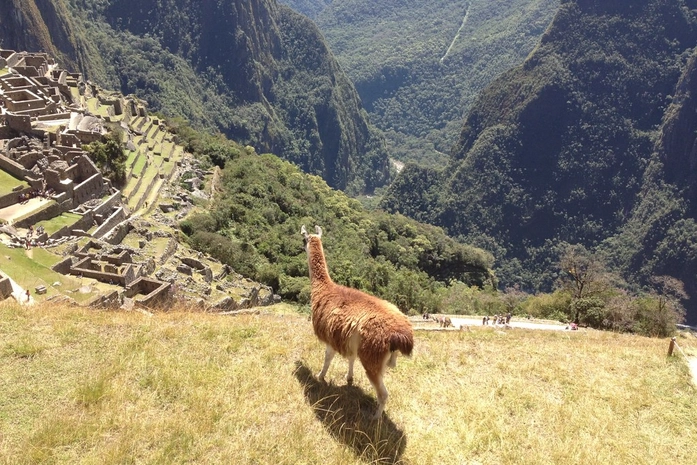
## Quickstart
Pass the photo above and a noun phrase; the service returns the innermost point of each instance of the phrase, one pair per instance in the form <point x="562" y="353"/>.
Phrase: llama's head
<point x="313" y="243"/>
<point x="308" y="239"/>
<point x="315" y="254"/>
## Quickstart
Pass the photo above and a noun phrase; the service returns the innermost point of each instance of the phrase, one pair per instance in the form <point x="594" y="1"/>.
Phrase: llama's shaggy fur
<point x="355" y="324"/>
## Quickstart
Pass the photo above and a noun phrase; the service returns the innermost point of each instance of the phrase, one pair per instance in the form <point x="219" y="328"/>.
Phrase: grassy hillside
<point x="86" y="387"/>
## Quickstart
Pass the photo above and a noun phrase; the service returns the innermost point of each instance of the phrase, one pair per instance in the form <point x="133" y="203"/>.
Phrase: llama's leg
<point x="328" y="356"/>
<point x="381" y="391"/>
<point x="375" y="375"/>
<point x="393" y="360"/>
<point x="352" y="346"/>
<point x="349" y="375"/>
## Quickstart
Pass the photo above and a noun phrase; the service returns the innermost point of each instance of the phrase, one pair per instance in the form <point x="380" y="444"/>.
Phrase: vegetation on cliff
<point x="253" y="224"/>
<point x="556" y="150"/>
<point x="419" y="65"/>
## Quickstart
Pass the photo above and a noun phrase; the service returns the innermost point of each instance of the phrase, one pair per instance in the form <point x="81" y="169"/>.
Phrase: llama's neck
<point x="319" y="273"/>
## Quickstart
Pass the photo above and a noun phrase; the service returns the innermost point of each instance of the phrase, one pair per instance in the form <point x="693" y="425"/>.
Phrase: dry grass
<point x="84" y="387"/>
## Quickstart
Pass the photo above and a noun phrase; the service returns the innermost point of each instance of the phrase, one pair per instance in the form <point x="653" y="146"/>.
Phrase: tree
<point x="663" y="309"/>
<point x="584" y="275"/>
<point x="512" y="297"/>
<point x="109" y="156"/>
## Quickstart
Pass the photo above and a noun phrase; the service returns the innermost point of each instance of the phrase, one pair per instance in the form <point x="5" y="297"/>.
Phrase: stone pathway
<point x="692" y="362"/>
<point x="20" y="209"/>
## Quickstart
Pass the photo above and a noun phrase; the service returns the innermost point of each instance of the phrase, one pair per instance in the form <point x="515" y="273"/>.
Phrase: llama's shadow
<point x="345" y="411"/>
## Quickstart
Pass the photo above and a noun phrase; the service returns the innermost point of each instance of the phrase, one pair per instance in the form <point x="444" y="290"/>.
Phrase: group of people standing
<point x="25" y="196"/>
<point x="498" y="319"/>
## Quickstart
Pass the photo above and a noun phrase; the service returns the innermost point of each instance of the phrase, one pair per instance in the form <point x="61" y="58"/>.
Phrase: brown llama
<point x="354" y="324"/>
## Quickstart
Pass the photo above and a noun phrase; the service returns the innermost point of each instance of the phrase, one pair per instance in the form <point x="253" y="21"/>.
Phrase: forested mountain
<point x="563" y="148"/>
<point x="257" y="71"/>
<point x="310" y="8"/>
<point x="419" y="65"/>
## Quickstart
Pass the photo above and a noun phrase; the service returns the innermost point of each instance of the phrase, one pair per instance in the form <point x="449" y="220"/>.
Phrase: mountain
<point x="563" y="147"/>
<point x="257" y="71"/>
<point x="310" y="8"/>
<point x="42" y="25"/>
<point x="419" y="65"/>
<point x="660" y="236"/>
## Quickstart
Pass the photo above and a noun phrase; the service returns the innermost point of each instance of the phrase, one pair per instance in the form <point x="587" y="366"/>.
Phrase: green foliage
<point x="254" y="226"/>
<point x="589" y="311"/>
<point x="310" y="8"/>
<point x="554" y="306"/>
<point x="109" y="156"/>
<point x="655" y="319"/>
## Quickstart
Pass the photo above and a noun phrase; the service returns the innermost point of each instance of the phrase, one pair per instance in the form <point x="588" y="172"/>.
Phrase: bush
<point x="554" y="306"/>
<point x="591" y="311"/>
<point x="198" y="222"/>
<point x="655" y="318"/>
<point x="268" y="274"/>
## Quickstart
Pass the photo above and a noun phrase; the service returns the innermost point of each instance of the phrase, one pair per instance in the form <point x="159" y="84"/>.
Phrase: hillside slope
<point x="659" y="236"/>
<point x="52" y="30"/>
<point x="80" y="386"/>
<point x="253" y="225"/>
<point x="256" y="71"/>
<point x="557" y="148"/>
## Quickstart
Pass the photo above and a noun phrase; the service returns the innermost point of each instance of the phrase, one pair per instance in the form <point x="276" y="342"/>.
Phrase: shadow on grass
<point x="345" y="412"/>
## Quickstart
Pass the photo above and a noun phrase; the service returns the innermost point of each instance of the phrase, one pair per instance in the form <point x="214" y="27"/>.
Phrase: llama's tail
<point x="403" y="341"/>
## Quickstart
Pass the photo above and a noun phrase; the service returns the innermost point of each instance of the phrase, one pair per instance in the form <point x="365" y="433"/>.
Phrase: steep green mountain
<point x="256" y="71"/>
<point x="42" y="25"/>
<point x="419" y="65"/>
<point x="557" y="149"/>
<point x="660" y="237"/>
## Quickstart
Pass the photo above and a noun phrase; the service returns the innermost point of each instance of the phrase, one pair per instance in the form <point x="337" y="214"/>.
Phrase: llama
<point x="446" y="322"/>
<point x="354" y="324"/>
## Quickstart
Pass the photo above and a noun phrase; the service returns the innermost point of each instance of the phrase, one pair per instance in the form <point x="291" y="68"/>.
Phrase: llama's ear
<point x="303" y="231"/>
<point x="318" y="231"/>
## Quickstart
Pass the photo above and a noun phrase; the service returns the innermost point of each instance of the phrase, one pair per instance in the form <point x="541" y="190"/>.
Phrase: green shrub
<point x="555" y="306"/>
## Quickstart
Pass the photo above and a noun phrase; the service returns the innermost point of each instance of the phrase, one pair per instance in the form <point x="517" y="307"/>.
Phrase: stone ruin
<point x="43" y="126"/>
<point x="44" y="123"/>
<point x="61" y="173"/>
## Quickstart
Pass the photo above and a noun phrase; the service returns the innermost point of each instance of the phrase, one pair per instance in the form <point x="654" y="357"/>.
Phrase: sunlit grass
<point x="140" y="165"/>
<point x="56" y="223"/>
<point x="31" y="268"/>
<point x="9" y="182"/>
<point x="79" y="386"/>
